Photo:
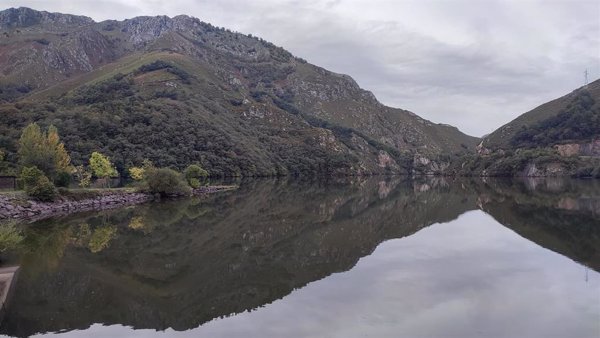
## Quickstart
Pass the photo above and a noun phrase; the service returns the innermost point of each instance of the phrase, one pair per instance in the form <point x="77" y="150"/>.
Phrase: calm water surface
<point x="377" y="257"/>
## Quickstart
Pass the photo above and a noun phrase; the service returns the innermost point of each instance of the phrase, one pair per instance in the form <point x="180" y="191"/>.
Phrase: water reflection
<point x="181" y="264"/>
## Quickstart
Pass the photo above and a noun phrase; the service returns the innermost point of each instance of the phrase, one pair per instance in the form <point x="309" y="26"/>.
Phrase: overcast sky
<point x="472" y="64"/>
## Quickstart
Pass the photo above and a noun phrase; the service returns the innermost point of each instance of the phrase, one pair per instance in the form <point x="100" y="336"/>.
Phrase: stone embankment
<point x="16" y="207"/>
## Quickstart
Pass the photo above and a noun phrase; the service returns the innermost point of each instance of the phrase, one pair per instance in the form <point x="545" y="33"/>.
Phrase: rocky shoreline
<point x="14" y="207"/>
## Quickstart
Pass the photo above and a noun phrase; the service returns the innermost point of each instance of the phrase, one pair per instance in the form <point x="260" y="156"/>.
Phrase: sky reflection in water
<point x="470" y="277"/>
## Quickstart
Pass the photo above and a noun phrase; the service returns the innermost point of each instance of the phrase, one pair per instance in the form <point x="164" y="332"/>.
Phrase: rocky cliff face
<point x="15" y="18"/>
<point x="579" y="149"/>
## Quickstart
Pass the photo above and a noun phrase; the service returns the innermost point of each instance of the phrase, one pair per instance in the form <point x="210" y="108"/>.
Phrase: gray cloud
<point x="473" y="64"/>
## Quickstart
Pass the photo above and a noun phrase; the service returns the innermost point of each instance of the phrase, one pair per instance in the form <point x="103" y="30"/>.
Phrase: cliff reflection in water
<point x="182" y="263"/>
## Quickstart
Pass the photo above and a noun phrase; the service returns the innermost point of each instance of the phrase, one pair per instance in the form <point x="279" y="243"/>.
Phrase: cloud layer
<point x="473" y="64"/>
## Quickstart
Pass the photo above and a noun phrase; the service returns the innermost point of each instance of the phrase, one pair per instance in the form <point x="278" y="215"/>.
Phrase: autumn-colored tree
<point x="137" y="173"/>
<point x="102" y="167"/>
<point x="62" y="160"/>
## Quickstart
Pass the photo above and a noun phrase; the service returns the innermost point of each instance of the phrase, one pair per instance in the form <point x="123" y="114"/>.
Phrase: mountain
<point x="561" y="137"/>
<point x="178" y="90"/>
<point x="574" y="117"/>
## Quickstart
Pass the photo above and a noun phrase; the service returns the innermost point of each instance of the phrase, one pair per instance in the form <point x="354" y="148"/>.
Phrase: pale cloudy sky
<point x="472" y="63"/>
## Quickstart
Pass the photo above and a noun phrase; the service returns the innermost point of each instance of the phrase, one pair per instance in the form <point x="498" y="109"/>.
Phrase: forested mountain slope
<point x="558" y="138"/>
<point x="574" y="117"/>
<point x="178" y="91"/>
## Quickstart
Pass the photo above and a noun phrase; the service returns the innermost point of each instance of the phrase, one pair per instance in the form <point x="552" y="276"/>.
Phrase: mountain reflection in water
<point x="180" y="264"/>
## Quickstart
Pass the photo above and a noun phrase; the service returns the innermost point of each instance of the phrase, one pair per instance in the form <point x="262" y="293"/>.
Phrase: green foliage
<point x="101" y="237"/>
<point x="590" y="171"/>
<point x="578" y="122"/>
<point x="166" y="182"/>
<point x="195" y="175"/>
<point x="30" y="175"/>
<point x="33" y="150"/>
<point x="10" y="92"/>
<point x="101" y="166"/>
<point x="194" y="183"/>
<point x="117" y="87"/>
<point x="136" y="173"/>
<point x="160" y="64"/>
<point x="43" y="150"/>
<point x="37" y="185"/>
<point x="62" y="179"/>
<point x="10" y="236"/>
<point x="83" y="176"/>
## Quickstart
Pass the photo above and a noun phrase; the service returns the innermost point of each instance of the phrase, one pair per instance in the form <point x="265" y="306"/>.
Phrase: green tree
<point x="165" y="181"/>
<point x="37" y="185"/>
<point x="102" y="167"/>
<point x="194" y="175"/>
<point x="43" y="150"/>
<point x="33" y="150"/>
<point x="83" y="176"/>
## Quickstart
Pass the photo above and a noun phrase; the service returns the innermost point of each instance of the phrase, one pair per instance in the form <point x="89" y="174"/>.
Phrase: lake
<point x="376" y="257"/>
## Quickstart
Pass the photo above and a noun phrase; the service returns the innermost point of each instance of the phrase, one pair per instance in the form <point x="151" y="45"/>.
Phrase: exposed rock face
<point x="548" y="170"/>
<point x="25" y="17"/>
<point x="579" y="149"/>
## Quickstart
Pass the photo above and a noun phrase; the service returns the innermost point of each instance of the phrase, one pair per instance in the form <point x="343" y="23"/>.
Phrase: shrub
<point x="165" y="181"/>
<point x="84" y="177"/>
<point x="37" y="185"/>
<point x="63" y="179"/>
<point x="194" y="175"/>
<point x="136" y="173"/>
<point x="194" y="183"/>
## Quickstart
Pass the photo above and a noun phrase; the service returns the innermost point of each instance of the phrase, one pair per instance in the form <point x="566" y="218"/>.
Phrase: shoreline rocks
<point x="17" y="208"/>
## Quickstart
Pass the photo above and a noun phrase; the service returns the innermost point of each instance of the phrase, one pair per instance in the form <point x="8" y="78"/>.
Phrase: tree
<point x="33" y="151"/>
<point x="137" y="173"/>
<point x="43" y="150"/>
<point x="62" y="160"/>
<point x="194" y="174"/>
<point x="102" y="167"/>
<point x="165" y="181"/>
<point x="37" y="185"/>
<point x="83" y="176"/>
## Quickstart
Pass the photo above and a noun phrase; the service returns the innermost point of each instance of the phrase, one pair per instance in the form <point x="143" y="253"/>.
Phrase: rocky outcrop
<point x="547" y="170"/>
<point x="16" y="208"/>
<point x="25" y="17"/>
<point x="579" y="149"/>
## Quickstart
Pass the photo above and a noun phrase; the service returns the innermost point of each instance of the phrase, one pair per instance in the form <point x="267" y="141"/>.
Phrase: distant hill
<point x="558" y="138"/>
<point x="178" y="90"/>
<point x="574" y="117"/>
